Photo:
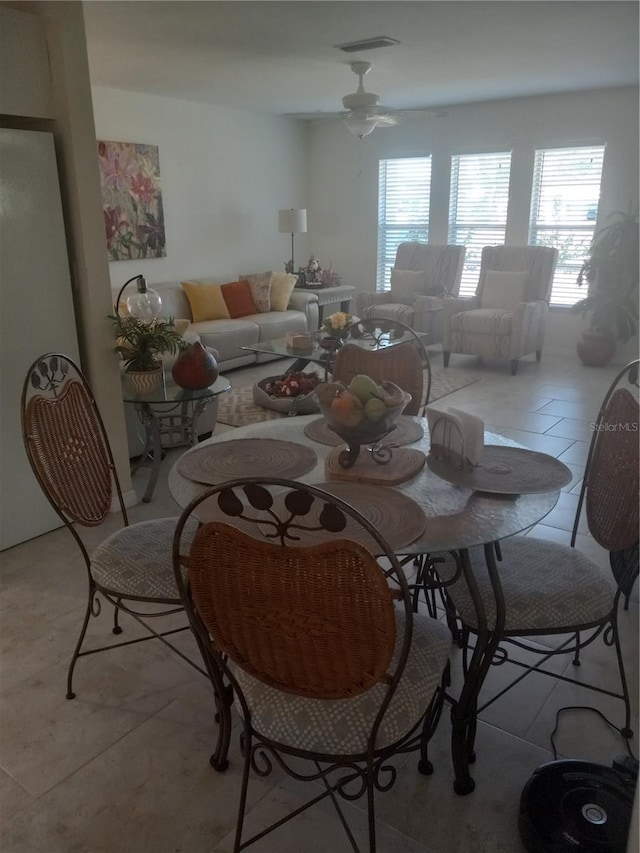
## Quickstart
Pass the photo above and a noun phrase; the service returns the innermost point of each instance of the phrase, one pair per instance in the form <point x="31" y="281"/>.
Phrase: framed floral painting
<point x="132" y="200"/>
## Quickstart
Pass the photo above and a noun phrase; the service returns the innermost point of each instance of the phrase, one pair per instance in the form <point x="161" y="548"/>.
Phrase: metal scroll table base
<point x="177" y="425"/>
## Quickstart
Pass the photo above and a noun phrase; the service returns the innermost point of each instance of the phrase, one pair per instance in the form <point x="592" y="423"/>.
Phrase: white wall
<point x="343" y="178"/>
<point x="224" y="175"/>
<point x="45" y="86"/>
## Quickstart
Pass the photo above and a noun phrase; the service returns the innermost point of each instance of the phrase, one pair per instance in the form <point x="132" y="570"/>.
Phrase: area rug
<point x="238" y="409"/>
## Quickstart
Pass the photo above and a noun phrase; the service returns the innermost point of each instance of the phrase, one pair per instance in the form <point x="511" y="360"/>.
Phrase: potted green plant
<point x="141" y="344"/>
<point x="611" y="273"/>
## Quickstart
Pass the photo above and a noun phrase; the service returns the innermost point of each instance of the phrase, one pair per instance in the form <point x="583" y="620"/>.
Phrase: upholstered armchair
<point x="421" y="276"/>
<point x="507" y="316"/>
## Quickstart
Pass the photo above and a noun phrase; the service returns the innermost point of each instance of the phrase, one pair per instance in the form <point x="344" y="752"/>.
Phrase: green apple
<point x="375" y="409"/>
<point x="364" y="387"/>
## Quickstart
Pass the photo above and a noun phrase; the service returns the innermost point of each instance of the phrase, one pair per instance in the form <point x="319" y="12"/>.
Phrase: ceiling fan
<point x="364" y="112"/>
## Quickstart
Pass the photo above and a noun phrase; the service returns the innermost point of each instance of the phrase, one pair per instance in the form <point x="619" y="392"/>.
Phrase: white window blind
<point x="564" y="208"/>
<point x="478" y="204"/>
<point x="404" y="187"/>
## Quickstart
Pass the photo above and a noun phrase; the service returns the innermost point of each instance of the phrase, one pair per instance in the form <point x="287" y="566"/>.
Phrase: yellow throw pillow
<point x="282" y="284"/>
<point x="206" y="301"/>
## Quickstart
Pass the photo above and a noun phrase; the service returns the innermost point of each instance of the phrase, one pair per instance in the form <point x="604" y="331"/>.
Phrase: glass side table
<point x="169" y="416"/>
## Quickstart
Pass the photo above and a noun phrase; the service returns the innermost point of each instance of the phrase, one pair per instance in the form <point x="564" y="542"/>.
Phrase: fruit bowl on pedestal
<point x="362" y="415"/>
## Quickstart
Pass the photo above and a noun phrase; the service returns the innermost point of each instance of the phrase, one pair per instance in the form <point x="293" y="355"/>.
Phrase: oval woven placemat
<point x="246" y="457"/>
<point x="407" y="431"/>
<point x="506" y="471"/>
<point x="397" y="517"/>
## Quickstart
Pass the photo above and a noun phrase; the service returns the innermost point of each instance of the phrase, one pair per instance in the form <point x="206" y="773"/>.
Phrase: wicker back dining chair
<point x="68" y="449"/>
<point x="406" y="364"/>
<point x="319" y="643"/>
<point x="555" y="590"/>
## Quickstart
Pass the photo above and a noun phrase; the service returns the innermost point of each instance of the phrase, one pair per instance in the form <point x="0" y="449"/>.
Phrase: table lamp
<point x="292" y="222"/>
<point x="145" y="304"/>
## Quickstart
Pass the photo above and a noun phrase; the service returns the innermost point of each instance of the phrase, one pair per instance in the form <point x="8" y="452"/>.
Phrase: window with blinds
<point x="404" y="187"/>
<point x="564" y="208"/>
<point x="478" y="203"/>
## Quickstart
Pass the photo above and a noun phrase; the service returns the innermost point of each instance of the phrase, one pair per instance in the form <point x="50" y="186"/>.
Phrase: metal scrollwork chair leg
<point x="116" y="612"/>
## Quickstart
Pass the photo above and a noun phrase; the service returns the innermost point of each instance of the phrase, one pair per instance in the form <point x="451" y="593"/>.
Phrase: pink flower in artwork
<point x="143" y="187"/>
<point x="118" y="168"/>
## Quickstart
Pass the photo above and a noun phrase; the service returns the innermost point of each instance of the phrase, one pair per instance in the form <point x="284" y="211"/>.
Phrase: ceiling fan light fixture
<point x="360" y="126"/>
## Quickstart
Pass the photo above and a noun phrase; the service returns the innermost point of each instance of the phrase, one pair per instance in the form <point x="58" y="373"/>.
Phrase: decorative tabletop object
<point x="141" y="344"/>
<point x="195" y="367"/>
<point x="362" y="414"/>
<point x="337" y="325"/>
<point x="314" y="276"/>
<point x="291" y="392"/>
<point x="408" y="430"/>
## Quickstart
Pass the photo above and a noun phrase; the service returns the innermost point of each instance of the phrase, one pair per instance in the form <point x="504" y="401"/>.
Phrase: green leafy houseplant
<point x="611" y="272"/>
<point x="140" y="342"/>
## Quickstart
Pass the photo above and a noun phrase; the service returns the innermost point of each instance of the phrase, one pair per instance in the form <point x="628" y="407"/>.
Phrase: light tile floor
<point x="124" y="767"/>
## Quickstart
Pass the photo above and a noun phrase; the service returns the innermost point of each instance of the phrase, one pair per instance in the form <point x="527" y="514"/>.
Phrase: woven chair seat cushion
<point x="342" y="726"/>
<point x="547" y="586"/>
<point x="137" y="560"/>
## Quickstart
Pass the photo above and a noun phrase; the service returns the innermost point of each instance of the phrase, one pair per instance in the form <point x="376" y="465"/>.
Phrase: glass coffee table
<point x="169" y="416"/>
<point x="321" y="349"/>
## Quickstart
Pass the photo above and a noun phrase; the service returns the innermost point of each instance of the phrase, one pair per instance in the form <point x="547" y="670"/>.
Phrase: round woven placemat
<point x="246" y="457"/>
<point x="397" y="517"/>
<point x="506" y="471"/>
<point x="407" y="431"/>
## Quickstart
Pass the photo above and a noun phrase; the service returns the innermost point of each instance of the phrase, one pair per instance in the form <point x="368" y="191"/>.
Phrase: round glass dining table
<point x="456" y="519"/>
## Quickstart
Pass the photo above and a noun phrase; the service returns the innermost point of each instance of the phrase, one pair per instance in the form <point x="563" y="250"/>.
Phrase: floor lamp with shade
<point x="292" y="221"/>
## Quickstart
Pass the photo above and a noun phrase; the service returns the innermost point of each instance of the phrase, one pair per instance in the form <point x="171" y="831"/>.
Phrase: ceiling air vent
<point x="367" y="44"/>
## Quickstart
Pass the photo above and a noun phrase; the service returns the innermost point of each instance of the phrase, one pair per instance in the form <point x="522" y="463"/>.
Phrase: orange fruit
<point x="347" y="409"/>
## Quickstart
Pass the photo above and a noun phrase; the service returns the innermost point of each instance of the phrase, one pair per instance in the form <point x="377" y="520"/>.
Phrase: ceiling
<point x="280" y="57"/>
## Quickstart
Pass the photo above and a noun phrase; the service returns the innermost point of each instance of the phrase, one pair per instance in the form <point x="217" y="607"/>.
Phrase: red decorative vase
<point x="195" y="368"/>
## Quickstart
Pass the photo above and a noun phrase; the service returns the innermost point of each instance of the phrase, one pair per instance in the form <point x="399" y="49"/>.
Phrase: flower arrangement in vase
<point x="337" y="325"/>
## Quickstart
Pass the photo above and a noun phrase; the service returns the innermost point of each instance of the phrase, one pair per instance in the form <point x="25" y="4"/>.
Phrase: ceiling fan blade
<point x="317" y="116"/>
<point x="419" y="113"/>
<point x="385" y="120"/>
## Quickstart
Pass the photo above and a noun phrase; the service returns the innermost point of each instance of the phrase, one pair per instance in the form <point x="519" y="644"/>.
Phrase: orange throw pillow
<point x="238" y="299"/>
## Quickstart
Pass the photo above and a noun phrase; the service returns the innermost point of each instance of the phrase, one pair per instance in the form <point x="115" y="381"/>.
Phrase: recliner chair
<point x="507" y="316"/>
<point x="421" y="276"/>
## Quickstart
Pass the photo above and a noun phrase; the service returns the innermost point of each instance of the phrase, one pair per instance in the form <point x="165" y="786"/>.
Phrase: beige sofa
<point x="227" y="336"/>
